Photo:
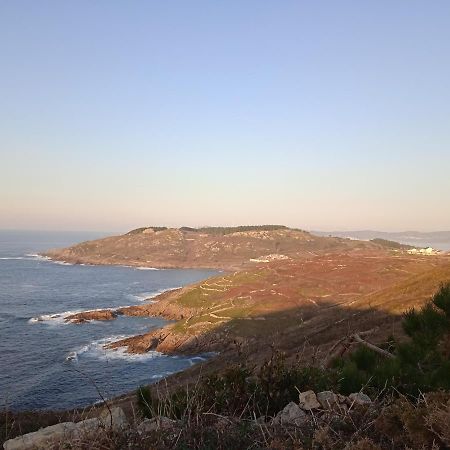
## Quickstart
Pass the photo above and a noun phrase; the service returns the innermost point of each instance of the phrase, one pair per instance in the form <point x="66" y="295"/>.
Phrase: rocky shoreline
<point x="269" y="304"/>
<point x="87" y="316"/>
<point x="165" y="340"/>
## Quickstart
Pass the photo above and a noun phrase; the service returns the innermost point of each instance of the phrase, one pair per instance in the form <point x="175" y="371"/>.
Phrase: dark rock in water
<point x="86" y="316"/>
<point x="71" y="356"/>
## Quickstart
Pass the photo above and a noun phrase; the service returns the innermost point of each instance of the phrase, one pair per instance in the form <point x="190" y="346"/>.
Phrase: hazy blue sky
<point x="316" y="114"/>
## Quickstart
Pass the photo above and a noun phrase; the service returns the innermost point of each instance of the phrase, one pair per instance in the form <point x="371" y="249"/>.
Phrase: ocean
<point x="439" y="240"/>
<point x="46" y="363"/>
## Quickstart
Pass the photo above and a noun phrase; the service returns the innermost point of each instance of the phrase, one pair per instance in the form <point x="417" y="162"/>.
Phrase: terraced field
<point x="289" y="304"/>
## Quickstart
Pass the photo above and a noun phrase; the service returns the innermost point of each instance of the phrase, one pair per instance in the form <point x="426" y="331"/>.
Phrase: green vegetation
<point x="391" y="244"/>
<point x="420" y="365"/>
<point x="142" y="229"/>
<point x="241" y="278"/>
<point x="228" y="230"/>
<point x="183" y="326"/>
<point x="225" y="411"/>
<point x="194" y="298"/>
<point x="239" y="392"/>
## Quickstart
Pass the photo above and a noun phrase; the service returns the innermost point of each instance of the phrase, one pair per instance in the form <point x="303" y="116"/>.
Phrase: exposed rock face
<point x="44" y="437"/>
<point x="162" y="305"/>
<point x="359" y="398"/>
<point x="291" y="414"/>
<point x="156" y="423"/>
<point x="166" y="341"/>
<point x="325" y="405"/>
<point x="308" y="400"/>
<point x="86" y="316"/>
<point x="327" y="399"/>
<point x="41" y="438"/>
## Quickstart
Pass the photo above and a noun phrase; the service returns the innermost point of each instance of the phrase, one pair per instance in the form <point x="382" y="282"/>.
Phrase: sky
<point x="322" y="115"/>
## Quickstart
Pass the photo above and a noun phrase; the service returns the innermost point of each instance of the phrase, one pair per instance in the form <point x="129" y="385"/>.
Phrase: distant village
<point x="423" y="251"/>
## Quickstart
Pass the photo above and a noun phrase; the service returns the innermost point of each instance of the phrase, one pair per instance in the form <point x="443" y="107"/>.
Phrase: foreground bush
<point x="420" y="365"/>
<point x="239" y="391"/>
<point x="393" y="423"/>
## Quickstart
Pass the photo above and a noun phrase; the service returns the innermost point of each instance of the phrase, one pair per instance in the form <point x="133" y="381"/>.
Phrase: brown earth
<point x="181" y="248"/>
<point x="287" y="304"/>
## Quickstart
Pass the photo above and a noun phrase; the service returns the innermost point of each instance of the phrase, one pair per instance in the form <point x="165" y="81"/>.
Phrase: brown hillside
<point x="224" y="248"/>
<point x="287" y="302"/>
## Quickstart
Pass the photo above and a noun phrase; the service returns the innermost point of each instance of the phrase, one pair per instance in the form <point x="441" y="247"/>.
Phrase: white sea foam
<point x="55" y="318"/>
<point x="47" y="259"/>
<point x="28" y="257"/>
<point x="196" y="359"/>
<point x="96" y="349"/>
<point x="59" y="318"/>
<point x="72" y="356"/>
<point x="161" y="375"/>
<point x="138" y="267"/>
<point x="8" y="258"/>
<point x="143" y="296"/>
<point x="38" y="257"/>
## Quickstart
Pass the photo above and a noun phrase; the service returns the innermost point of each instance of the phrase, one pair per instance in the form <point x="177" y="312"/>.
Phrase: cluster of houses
<point x="423" y="251"/>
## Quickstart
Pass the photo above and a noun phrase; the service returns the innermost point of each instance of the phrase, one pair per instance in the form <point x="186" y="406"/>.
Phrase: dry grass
<point x="389" y="424"/>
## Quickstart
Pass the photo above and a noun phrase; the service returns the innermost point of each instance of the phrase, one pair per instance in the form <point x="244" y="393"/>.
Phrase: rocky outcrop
<point x="323" y="405"/>
<point x="87" y="316"/>
<point x="113" y="419"/>
<point x="168" y="341"/>
<point x="291" y="414"/>
<point x="359" y="398"/>
<point x="327" y="399"/>
<point x="160" y="306"/>
<point x="156" y="423"/>
<point x="308" y="400"/>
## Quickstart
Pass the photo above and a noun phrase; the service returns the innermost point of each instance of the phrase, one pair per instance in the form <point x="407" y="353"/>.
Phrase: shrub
<point x="420" y="365"/>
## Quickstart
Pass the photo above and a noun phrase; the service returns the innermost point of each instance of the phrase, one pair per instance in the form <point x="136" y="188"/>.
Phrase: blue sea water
<point x="35" y="342"/>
